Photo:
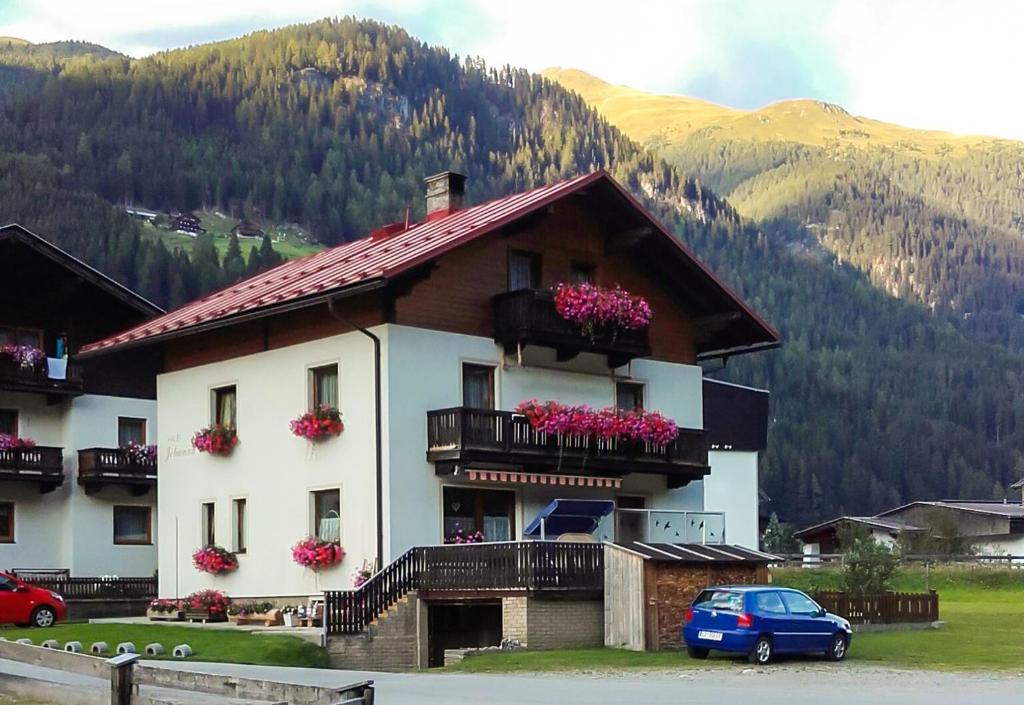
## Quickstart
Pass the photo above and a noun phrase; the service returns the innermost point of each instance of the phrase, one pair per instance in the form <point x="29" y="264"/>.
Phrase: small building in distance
<point x="247" y="228"/>
<point x="187" y="223"/>
<point x="141" y="213"/>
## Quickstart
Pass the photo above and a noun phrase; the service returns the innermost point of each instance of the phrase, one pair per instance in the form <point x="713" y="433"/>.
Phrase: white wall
<point x="67" y="528"/>
<point x="424" y="373"/>
<point x="274" y="470"/>
<point x="732" y="488"/>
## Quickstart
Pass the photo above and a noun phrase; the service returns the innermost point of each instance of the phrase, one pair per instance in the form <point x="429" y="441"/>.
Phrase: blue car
<point x="762" y="621"/>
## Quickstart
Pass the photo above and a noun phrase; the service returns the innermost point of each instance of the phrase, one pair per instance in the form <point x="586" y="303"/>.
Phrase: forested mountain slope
<point x="335" y="123"/>
<point x="929" y="216"/>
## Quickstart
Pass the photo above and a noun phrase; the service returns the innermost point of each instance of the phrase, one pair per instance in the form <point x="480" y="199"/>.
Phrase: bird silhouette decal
<point x="701" y="525"/>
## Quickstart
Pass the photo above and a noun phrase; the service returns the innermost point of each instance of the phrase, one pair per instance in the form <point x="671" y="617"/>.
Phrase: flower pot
<point x="291" y="620"/>
<point x="205" y="616"/>
<point x="162" y="616"/>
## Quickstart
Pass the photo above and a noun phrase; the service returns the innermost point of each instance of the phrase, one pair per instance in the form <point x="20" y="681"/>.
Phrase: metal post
<point x="543" y="528"/>
<point x="121" y="682"/>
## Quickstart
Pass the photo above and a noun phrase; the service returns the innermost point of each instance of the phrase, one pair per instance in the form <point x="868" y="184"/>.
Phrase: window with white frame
<point x="239" y="520"/>
<point x="133" y="525"/>
<point x="225" y="406"/>
<point x="323" y="386"/>
<point x="327" y="514"/>
<point x="208" y="518"/>
<point x="6" y="522"/>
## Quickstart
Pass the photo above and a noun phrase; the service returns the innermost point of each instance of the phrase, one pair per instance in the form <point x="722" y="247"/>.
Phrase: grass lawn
<point x="983" y="609"/>
<point x="227" y="645"/>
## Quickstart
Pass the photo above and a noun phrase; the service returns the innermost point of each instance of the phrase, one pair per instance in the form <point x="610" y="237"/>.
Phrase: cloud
<point x="947" y="64"/>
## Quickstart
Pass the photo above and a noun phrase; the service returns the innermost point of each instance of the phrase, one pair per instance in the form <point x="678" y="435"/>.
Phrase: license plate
<point x="709" y="636"/>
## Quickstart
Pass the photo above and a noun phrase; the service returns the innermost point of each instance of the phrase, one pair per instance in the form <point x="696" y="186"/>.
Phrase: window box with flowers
<point x="624" y="429"/>
<point x="318" y="424"/>
<point x="214" y="560"/>
<point x="215" y="440"/>
<point x="16" y="442"/>
<point x="597" y="309"/>
<point x="315" y="553"/>
<point x="26" y="357"/>
<point x="207" y="606"/>
<point x="160" y="610"/>
<point x="139" y="455"/>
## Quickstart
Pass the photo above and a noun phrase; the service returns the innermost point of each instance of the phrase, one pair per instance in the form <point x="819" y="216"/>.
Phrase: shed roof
<point x="878" y="522"/>
<point x="695" y="553"/>
<point x="372" y="261"/>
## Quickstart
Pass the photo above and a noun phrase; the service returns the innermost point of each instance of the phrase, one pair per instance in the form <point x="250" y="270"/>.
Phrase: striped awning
<point x="696" y="553"/>
<point x="536" y="478"/>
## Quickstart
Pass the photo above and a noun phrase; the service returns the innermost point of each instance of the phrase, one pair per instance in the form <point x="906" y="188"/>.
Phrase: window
<point x="800" y="604"/>
<point x="629" y="395"/>
<point x="209" y="516"/>
<point x="327" y="515"/>
<point x="523" y="270"/>
<point x="724" y="600"/>
<point x="130" y="430"/>
<point x="491" y="512"/>
<point x="133" y="525"/>
<point x="477" y="386"/>
<point x="7" y="584"/>
<point x="8" y="422"/>
<point x="6" y="522"/>
<point x="770" y="602"/>
<point x="15" y="335"/>
<point x="238" y="520"/>
<point x="581" y="273"/>
<point x="225" y="407"/>
<point x="324" y="386"/>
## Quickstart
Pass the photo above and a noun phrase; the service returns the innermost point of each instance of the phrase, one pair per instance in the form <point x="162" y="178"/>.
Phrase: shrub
<point x="868" y="566"/>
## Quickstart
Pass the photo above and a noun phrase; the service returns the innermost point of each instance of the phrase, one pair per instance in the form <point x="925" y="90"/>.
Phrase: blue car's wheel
<point x="837" y="649"/>
<point x="697" y="652"/>
<point x="761" y="651"/>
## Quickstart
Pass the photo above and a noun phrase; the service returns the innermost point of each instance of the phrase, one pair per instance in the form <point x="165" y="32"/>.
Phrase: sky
<point x="940" y="64"/>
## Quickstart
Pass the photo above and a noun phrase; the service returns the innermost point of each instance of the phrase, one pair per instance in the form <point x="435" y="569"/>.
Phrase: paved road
<point x="785" y="684"/>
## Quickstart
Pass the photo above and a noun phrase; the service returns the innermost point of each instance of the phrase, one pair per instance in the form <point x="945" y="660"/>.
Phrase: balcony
<point x="16" y="378"/>
<point x="42" y="465"/>
<point x="103" y="467"/>
<point x="460" y="437"/>
<point x="528" y="317"/>
<point x="667" y="526"/>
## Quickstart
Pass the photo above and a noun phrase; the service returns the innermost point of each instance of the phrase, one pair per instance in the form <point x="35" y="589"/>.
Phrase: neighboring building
<point x="141" y="213"/>
<point x="186" y="223"/>
<point x="988" y="527"/>
<point x="247" y="228"/>
<point x="426" y="338"/>
<point x="74" y="501"/>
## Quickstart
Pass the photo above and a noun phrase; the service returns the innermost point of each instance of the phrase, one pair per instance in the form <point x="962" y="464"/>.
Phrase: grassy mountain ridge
<point x="930" y="216"/>
<point x="333" y="124"/>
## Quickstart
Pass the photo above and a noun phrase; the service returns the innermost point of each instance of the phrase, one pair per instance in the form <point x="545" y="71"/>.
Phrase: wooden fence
<point x="795" y="560"/>
<point x="92" y="588"/>
<point x="882" y="608"/>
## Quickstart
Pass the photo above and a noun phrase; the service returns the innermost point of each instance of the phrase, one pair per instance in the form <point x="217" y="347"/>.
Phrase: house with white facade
<point x="72" y="499"/>
<point x="431" y="340"/>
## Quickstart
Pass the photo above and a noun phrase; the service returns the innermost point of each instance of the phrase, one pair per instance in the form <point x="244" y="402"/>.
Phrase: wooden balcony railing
<point x="15" y="378"/>
<point x="528" y="566"/>
<point x="41" y="464"/>
<point x="99" y="467"/>
<point x="462" y="435"/>
<point x="528" y="317"/>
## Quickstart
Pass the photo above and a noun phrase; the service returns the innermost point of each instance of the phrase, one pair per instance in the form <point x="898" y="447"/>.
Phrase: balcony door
<point x="630" y="525"/>
<point x="468" y="510"/>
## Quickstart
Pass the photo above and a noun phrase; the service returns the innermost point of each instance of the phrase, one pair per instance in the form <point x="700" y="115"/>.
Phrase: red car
<point x="27" y="605"/>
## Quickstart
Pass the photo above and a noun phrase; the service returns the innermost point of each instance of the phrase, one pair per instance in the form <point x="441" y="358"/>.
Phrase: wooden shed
<point x="649" y="586"/>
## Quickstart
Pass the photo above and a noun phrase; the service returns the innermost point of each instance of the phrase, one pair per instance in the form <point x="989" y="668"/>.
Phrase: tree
<point x="868" y="565"/>
<point x="778" y="537"/>
<point x="234" y="263"/>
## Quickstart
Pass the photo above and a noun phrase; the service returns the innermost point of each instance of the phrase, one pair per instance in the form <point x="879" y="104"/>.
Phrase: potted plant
<point x="160" y="610"/>
<point x="597" y="309"/>
<point x="215" y="440"/>
<point x="315" y="553"/>
<point x="253" y="613"/>
<point x="207" y="606"/>
<point x="15" y="442"/>
<point x="27" y="357"/>
<point x="290" y="615"/>
<point x="317" y="424"/>
<point x="139" y="454"/>
<point x="214" y="560"/>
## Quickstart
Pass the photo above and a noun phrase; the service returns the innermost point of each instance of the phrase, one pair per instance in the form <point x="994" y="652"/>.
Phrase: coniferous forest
<point x="878" y="397"/>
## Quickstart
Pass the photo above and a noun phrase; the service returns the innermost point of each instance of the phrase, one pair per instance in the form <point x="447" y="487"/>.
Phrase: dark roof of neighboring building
<point x="368" y="263"/>
<point x="876" y="522"/>
<point x="695" y="553"/>
<point x="1009" y="510"/>
<point x="1019" y="484"/>
<point x="24" y="236"/>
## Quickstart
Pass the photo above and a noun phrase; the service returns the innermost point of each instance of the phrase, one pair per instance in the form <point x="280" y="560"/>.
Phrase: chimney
<point x="444" y="193"/>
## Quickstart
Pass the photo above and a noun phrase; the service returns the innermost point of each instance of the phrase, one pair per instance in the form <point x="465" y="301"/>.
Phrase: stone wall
<point x="395" y="642"/>
<point x="676" y="587"/>
<point x="553" y="624"/>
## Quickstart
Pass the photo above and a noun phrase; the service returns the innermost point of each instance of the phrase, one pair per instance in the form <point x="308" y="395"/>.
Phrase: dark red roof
<point x="373" y="259"/>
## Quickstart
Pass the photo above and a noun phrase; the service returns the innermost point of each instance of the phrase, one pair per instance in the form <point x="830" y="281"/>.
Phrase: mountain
<point x="333" y="125"/>
<point x="929" y="216"/>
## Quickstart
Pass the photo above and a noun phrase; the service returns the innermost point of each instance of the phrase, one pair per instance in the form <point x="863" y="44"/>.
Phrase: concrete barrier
<point x="74" y="647"/>
<point x="99" y="648"/>
<point x="126" y="647"/>
<point x="182" y="651"/>
<point x="24" y="641"/>
<point x="154" y="649"/>
<point x="66" y="660"/>
<point x="51" y="644"/>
